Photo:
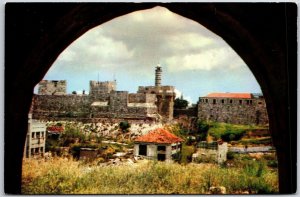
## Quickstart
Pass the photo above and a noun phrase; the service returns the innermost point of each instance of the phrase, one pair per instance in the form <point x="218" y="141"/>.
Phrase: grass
<point x="257" y="141"/>
<point x="61" y="176"/>
<point x="218" y="129"/>
<point x="186" y="153"/>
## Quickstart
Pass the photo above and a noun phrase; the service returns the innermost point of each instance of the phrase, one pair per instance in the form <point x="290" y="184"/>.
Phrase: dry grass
<point x="61" y="176"/>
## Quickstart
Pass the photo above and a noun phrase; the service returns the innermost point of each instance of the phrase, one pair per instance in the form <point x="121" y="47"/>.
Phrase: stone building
<point x="165" y="95"/>
<point x="211" y="152"/>
<point x="53" y="87"/>
<point x="235" y="108"/>
<point x="35" y="139"/>
<point x="158" y="144"/>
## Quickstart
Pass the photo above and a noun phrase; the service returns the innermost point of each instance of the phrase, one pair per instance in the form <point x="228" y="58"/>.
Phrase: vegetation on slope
<point x="61" y="176"/>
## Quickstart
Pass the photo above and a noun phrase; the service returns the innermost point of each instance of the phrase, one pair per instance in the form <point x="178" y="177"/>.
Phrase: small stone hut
<point x="158" y="144"/>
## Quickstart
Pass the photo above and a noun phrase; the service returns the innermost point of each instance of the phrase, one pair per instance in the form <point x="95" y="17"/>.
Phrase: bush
<point x="232" y="135"/>
<point x="203" y="127"/>
<point x="230" y="155"/>
<point x="272" y="163"/>
<point x="124" y="126"/>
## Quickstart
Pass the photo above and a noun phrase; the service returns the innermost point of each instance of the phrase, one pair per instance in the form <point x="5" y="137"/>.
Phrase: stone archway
<point x="264" y="35"/>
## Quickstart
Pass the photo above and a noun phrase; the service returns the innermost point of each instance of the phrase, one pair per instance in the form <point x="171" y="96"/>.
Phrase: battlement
<point x="52" y="87"/>
<point x="97" y="87"/>
<point x="156" y="89"/>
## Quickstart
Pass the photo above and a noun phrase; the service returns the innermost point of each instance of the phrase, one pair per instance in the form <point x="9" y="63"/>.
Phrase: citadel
<point x="150" y="103"/>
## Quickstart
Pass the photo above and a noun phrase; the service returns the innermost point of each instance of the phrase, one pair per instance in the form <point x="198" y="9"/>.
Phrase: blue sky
<point x="127" y="48"/>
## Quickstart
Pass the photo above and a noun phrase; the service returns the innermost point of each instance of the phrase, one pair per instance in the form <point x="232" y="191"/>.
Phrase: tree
<point x="180" y="103"/>
<point x="124" y="126"/>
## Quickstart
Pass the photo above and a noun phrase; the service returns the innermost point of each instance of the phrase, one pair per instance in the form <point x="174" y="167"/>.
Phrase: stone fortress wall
<point x="113" y="104"/>
<point x="236" y="109"/>
<point x="149" y="103"/>
<point x="53" y="87"/>
<point x="104" y="101"/>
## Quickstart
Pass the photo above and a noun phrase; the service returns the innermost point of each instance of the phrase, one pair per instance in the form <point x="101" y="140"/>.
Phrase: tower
<point x="158" y="72"/>
<point x="52" y="87"/>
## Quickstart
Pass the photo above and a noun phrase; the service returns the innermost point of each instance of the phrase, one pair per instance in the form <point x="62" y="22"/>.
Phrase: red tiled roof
<point x="55" y="129"/>
<point x="230" y="95"/>
<point x="160" y="136"/>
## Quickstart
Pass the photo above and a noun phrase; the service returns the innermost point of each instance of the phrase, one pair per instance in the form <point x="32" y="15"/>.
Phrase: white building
<point x="158" y="144"/>
<point x="211" y="152"/>
<point x="35" y="139"/>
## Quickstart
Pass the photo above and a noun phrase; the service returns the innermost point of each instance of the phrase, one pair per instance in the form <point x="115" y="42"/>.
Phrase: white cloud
<point x="131" y="46"/>
<point x="220" y="57"/>
<point x="178" y="93"/>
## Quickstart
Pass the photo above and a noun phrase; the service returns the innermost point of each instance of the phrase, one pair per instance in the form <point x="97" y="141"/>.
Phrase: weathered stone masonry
<point x="103" y="102"/>
<point x="232" y="109"/>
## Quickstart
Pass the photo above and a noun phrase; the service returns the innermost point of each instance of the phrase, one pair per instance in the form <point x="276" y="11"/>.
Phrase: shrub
<point x="272" y="163"/>
<point x="230" y="155"/>
<point x="232" y="135"/>
<point x="124" y="126"/>
<point x="203" y="127"/>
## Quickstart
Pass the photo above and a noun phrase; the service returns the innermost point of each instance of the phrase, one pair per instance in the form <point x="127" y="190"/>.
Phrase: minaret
<point x="158" y="71"/>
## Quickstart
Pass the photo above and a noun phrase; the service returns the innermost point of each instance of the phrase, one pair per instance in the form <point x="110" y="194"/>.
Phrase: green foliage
<point x="202" y="128"/>
<point x="186" y="153"/>
<point x="230" y="155"/>
<point x="124" y="126"/>
<point x="264" y="141"/>
<point x="232" y="135"/>
<point x="70" y="135"/>
<point x="180" y="103"/>
<point x="217" y="129"/>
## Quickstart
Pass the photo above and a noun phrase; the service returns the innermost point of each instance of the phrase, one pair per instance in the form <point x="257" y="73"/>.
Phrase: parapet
<point x="52" y="87"/>
<point x="97" y="87"/>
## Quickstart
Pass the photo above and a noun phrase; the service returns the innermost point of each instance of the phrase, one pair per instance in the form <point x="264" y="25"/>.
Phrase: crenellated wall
<point x="116" y="104"/>
<point x="53" y="87"/>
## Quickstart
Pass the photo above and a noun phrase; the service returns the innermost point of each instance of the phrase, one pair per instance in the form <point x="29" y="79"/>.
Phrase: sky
<point x="128" y="48"/>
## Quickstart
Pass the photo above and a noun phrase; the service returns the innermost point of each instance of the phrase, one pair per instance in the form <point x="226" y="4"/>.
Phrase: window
<point x="161" y="157"/>
<point x="222" y="101"/>
<point x="206" y="100"/>
<point x="143" y="150"/>
<point x="240" y="101"/>
<point x="161" y="148"/>
<point x="248" y="102"/>
<point x="214" y="101"/>
<point x="32" y="135"/>
<point x="230" y="101"/>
